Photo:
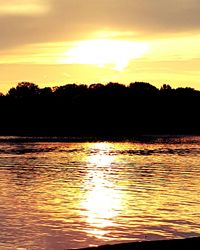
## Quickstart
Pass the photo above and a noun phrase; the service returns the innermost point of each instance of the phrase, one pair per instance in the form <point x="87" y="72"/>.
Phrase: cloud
<point x="22" y="7"/>
<point x="143" y="16"/>
<point x="65" y="20"/>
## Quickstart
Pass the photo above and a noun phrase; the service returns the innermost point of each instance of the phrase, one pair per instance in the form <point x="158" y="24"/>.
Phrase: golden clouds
<point x="112" y="34"/>
<point x="22" y="7"/>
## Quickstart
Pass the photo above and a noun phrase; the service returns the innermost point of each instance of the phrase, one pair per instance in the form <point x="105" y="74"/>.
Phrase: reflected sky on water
<point x="57" y="195"/>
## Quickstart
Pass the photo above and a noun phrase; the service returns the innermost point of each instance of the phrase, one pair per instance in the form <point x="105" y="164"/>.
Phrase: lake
<point x="58" y="195"/>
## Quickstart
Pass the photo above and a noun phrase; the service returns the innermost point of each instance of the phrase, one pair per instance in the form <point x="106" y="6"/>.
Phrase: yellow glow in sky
<point x="26" y="7"/>
<point x="52" y="42"/>
<point x="158" y="61"/>
<point x="104" y="52"/>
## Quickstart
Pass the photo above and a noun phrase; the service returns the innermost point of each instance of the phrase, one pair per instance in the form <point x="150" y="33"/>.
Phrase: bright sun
<point x="104" y="52"/>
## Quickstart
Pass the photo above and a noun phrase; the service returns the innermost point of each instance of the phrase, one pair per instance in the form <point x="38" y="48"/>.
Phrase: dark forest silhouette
<point x="99" y="110"/>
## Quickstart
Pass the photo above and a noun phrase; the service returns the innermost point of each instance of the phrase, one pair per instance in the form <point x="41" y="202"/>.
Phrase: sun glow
<point x="103" y="52"/>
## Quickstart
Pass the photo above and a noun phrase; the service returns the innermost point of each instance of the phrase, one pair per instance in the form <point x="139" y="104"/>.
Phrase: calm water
<point x="61" y="195"/>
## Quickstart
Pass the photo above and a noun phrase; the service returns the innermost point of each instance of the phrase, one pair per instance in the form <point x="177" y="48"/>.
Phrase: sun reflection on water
<point x="102" y="200"/>
<point x="72" y="195"/>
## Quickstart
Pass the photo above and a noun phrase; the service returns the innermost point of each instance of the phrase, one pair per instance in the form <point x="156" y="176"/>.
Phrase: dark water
<point x="60" y="195"/>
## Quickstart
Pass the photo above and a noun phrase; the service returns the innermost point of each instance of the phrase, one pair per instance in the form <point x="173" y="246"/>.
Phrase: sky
<point x="55" y="42"/>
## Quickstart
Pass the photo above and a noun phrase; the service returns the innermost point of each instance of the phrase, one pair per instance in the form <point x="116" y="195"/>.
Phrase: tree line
<point x="99" y="110"/>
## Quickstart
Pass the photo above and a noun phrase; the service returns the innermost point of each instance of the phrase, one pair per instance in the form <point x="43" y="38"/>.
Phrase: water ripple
<point x="58" y="194"/>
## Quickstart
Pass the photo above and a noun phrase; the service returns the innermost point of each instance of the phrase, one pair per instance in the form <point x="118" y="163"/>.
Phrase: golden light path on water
<point x="118" y="198"/>
<point x="102" y="201"/>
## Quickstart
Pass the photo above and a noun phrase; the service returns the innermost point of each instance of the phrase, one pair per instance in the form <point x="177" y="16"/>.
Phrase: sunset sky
<point x="54" y="42"/>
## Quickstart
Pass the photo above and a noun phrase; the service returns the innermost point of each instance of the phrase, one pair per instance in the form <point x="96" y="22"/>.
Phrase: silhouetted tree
<point x="114" y="86"/>
<point x="46" y="92"/>
<point x="24" y="89"/>
<point x="165" y="87"/>
<point x="111" y="110"/>
<point x="96" y="86"/>
<point x="142" y="88"/>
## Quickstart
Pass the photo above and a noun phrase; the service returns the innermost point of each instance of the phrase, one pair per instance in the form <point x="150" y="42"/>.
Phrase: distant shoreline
<point x="143" y="138"/>
<point x="100" y="111"/>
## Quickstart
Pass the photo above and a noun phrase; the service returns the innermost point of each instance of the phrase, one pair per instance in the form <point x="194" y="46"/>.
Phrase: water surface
<point x="59" y="195"/>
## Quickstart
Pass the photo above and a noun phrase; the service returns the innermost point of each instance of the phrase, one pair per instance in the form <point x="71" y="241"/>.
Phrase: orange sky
<point x="54" y="42"/>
